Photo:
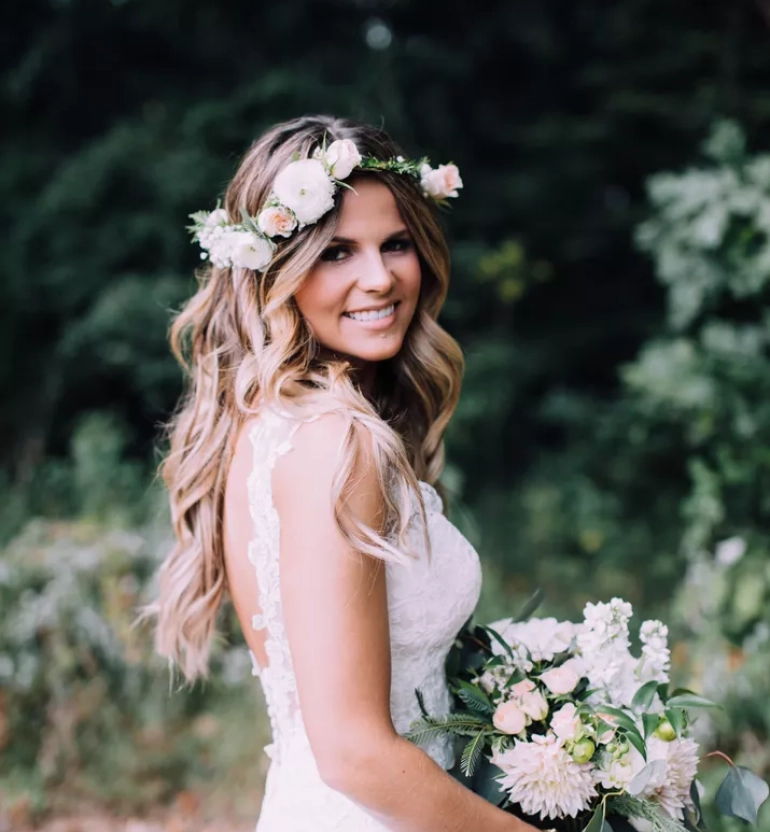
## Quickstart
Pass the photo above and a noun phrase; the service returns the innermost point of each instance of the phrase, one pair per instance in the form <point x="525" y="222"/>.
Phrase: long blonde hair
<point x="241" y="336"/>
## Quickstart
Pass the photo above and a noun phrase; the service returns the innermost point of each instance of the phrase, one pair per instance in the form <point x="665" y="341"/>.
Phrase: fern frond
<point x="472" y="752"/>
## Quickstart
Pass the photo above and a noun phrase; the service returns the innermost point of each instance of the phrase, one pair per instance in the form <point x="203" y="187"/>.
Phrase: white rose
<point x="534" y="705"/>
<point x="509" y="718"/>
<point x="306" y="189"/>
<point x="250" y="251"/>
<point x="566" y="724"/>
<point x="442" y="182"/>
<point x="560" y="680"/>
<point x="277" y="221"/>
<point x="341" y="157"/>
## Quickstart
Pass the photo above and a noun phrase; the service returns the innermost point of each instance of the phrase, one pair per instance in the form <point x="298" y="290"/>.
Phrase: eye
<point x="335" y="254"/>
<point x="398" y="245"/>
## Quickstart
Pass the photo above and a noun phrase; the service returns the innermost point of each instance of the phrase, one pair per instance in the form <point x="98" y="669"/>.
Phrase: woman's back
<point x="428" y="600"/>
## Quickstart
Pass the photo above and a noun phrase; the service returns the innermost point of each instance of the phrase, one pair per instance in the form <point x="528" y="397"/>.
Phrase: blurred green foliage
<point x="613" y="429"/>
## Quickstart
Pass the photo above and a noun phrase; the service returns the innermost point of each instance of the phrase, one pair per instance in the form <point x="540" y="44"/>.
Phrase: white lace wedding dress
<point x="428" y="602"/>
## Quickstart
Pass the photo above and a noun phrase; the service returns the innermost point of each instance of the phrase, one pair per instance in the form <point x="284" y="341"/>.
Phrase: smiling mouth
<point x="374" y="314"/>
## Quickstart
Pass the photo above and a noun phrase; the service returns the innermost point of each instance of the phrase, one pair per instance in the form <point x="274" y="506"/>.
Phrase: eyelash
<point x="398" y="246"/>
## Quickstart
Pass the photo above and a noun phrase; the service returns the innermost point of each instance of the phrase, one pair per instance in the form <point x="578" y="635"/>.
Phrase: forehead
<point x="371" y="206"/>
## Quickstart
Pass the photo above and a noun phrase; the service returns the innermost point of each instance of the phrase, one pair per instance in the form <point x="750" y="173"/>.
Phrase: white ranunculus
<point x="250" y="251"/>
<point x="277" y="221"/>
<point x="306" y="189"/>
<point x="341" y="158"/>
<point x="509" y="718"/>
<point x="442" y="182"/>
<point x="560" y="680"/>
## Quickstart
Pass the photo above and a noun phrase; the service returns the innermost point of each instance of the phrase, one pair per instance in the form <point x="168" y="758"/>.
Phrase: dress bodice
<point x="429" y="599"/>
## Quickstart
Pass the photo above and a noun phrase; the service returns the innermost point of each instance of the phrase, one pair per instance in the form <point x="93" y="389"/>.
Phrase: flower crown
<point x="302" y="193"/>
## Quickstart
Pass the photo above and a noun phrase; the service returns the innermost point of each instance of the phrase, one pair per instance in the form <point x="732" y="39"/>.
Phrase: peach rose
<point x="509" y="718"/>
<point x="277" y="221"/>
<point x="441" y="182"/>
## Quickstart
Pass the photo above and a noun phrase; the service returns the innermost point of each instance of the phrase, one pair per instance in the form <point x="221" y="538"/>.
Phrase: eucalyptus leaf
<point x="597" y="822"/>
<point x="503" y="643"/>
<point x="486" y="785"/>
<point x="650" y="723"/>
<point x="691" y="700"/>
<point x="530" y="605"/>
<point x="741" y="794"/>
<point x="653" y="770"/>
<point x="644" y="696"/>
<point x="636" y="740"/>
<point x="676" y="716"/>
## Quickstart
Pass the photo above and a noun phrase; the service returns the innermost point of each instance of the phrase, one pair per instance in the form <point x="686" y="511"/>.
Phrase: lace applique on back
<point x="429" y="599"/>
<point x="270" y="437"/>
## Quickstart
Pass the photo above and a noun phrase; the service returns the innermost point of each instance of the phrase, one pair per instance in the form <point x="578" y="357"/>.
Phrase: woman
<point x="302" y="475"/>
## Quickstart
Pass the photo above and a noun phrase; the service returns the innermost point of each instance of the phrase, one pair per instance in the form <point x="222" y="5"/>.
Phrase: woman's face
<point x="361" y="295"/>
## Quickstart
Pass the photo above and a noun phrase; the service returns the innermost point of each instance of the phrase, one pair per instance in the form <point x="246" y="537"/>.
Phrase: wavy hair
<point x="242" y="341"/>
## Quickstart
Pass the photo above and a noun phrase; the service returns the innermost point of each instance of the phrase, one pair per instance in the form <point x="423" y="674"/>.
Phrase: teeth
<point x="373" y="315"/>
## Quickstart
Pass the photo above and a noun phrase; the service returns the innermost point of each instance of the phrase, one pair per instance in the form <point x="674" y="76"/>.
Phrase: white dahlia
<point x="544" y="780"/>
<point x="305" y="188"/>
<point x="681" y="757"/>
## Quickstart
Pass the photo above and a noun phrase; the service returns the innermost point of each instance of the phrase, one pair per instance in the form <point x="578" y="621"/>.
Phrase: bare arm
<point x="336" y="614"/>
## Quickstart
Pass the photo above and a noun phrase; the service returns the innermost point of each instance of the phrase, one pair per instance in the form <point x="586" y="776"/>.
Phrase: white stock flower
<point x="656" y="657"/>
<point x="441" y="182"/>
<point x="306" y="189"/>
<point x="565" y="723"/>
<point x="277" y="221"/>
<point x="250" y="251"/>
<point x="341" y="158"/>
<point x="544" y="779"/>
<point x="603" y="643"/>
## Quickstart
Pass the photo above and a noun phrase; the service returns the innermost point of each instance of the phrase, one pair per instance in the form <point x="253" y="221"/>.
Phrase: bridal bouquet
<point x="568" y="730"/>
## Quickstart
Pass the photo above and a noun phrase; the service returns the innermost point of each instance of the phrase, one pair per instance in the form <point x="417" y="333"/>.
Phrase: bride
<point x="303" y="475"/>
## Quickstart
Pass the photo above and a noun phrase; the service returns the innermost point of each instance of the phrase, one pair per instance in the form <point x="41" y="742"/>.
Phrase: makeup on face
<point x="361" y="295"/>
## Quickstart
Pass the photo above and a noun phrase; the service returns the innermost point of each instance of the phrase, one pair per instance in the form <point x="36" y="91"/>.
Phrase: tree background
<point x="613" y="430"/>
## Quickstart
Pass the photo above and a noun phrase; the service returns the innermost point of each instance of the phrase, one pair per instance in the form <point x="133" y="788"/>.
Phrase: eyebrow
<point x="347" y="241"/>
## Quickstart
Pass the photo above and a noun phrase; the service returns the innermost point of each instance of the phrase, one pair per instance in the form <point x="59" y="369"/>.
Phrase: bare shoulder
<point x="320" y="449"/>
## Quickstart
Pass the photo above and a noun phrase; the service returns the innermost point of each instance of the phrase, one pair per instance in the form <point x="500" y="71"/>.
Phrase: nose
<point x="375" y="274"/>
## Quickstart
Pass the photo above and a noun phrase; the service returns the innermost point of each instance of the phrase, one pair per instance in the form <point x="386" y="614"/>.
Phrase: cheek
<point x="319" y="296"/>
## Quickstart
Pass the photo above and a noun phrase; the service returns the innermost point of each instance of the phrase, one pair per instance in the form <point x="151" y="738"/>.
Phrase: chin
<point x="372" y="352"/>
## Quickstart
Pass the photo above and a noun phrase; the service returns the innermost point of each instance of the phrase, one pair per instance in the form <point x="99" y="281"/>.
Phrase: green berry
<point x="665" y="731"/>
<point x="583" y="751"/>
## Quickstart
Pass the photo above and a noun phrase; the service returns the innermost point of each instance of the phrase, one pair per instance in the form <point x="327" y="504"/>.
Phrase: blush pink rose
<point x="509" y="718"/>
<point x="441" y="182"/>
<point x="520" y="688"/>
<point x="534" y="705"/>
<point x="560" y="680"/>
